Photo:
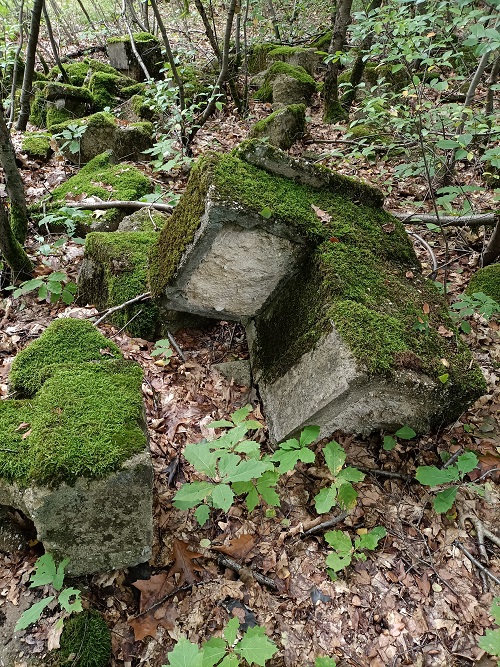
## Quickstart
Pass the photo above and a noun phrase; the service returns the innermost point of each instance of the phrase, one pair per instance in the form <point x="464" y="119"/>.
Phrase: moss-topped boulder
<point x="307" y="58"/>
<point x="108" y="90"/>
<point x="329" y="286"/>
<point x="487" y="281"/>
<point x="123" y="58"/>
<point x="258" y="57"/>
<point x="37" y="145"/>
<point x="299" y="74"/>
<point x="283" y="127"/>
<point x="79" y="73"/>
<point x="127" y="141"/>
<point x="76" y="459"/>
<point x="101" y="179"/>
<point x="55" y="103"/>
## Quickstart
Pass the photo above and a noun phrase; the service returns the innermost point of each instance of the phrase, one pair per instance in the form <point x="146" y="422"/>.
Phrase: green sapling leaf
<point x="370" y="539"/>
<point x="185" y="654"/>
<point x="33" y="614"/>
<point x="213" y="651"/>
<point x="190" y="495"/>
<point x="405" y="433"/>
<point x="241" y="414"/>
<point x="491" y="642"/>
<point x="389" y="443"/>
<point x="309" y="435"/>
<point x="255" y="647"/>
<point x="347" y="496"/>
<point x="326" y="499"/>
<point x="335" y="457"/>
<point x="339" y="541"/>
<point x="266" y="212"/>
<point x="67" y="604"/>
<point x="202" y="458"/>
<point x="45" y="571"/>
<point x="325" y="662"/>
<point x="432" y="476"/>
<point x="443" y="501"/>
<point x="231" y="630"/>
<point x="466" y="462"/>
<point x="350" y="475"/>
<point x="222" y="497"/>
<point x="202" y="514"/>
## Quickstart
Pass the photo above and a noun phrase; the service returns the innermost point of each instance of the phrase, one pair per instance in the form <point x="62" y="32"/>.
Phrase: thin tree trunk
<point x="132" y="41"/>
<point x="333" y="108"/>
<point x="210" y="108"/>
<point x="54" y="45"/>
<point x="208" y="30"/>
<point x="359" y="64"/>
<point x="12" y="250"/>
<point x="492" y="251"/>
<point x="490" y="98"/>
<point x="145" y="14"/>
<point x="13" y="182"/>
<point x="274" y="20"/>
<point x="29" y="68"/>
<point x="170" y="55"/>
<point x="16" y="67"/>
<point x="133" y="14"/>
<point x="82" y="7"/>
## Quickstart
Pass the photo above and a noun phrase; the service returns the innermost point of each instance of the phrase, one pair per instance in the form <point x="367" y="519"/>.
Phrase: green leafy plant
<point x="163" y="348"/>
<point x="325" y="662"/>
<point x="166" y="154"/>
<point x="72" y="135"/>
<point x="254" y="648"/>
<point x="433" y="476"/>
<point x="341" y="490"/>
<point x="53" y="288"/>
<point x="47" y="573"/>
<point x="469" y="305"/>
<point x="404" y="433"/>
<point x="491" y="640"/>
<point x="292" y="451"/>
<point x="234" y="466"/>
<point x="345" y="549"/>
<point x="68" y="219"/>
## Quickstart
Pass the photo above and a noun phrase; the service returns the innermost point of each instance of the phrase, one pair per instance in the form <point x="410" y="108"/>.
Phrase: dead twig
<point x="385" y="473"/>
<point x="142" y="297"/>
<point x="473" y="560"/>
<point x="176" y="347"/>
<point x="135" y="205"/>
<point x="324" y="525"/>
<point x="448" y="220"/>
<point x="242" y="569"/>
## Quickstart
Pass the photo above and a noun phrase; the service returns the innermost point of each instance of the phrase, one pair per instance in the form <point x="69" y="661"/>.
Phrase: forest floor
<point x="416" y="600"/>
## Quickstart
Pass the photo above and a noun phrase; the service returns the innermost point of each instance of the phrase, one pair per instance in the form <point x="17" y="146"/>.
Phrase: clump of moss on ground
<point x="37" y="145"/>
<point x="85" y="641"/>
<point x="123" y="257"/>
<point x="65" y="341"/>
<point x="265" y="92"/>
<point x="487" y="281"/>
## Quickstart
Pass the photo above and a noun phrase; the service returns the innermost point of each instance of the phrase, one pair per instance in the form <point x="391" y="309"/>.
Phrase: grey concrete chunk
<point x="239" y="371"/>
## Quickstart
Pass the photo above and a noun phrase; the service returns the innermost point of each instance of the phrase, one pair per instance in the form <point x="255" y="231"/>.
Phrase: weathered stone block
<point x="283" y="127"/>
<point x="75" y="458"/>
<point x="122" y="57"/>
<point x="298" y="56"/>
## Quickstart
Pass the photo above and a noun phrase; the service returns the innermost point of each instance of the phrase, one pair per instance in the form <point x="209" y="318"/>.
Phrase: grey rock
<point x="283" y="127"/>
<point x="11" y="537"/>
<point x="288" y="90"/>
<point x="144" y="220"/>
<point x="239" y="371"/>
<point x="99" y="525"/>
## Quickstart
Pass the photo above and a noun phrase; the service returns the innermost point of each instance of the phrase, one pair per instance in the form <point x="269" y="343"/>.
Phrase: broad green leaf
<point x="58" y="276"/>
<point x="306" y="455"/>
<point x="185" y="654"/>
<point x="371" y="539"/>
<point x="67" y="296"/>
<point x="347" y="496"/>
<point x="432" y="476"/>
<point x="252" y="498"/>
<point x="405" y="433"/>
<point x="43" y="292"/>
<point x="230" y="632"/>
<point x="248" y="447"/>
<point x="222" y="497"/>
<point x="190" y="495"/>
<point x="202" y="458"/>
<point x="59" y="576"/>
<point x="309" y="434"/>
<point x="491" y="642"/>
<point x="31" y="284"/>
<point x="202" y="514"/>
<point x="447" y="143"/>
<point x="45" y="571"/>
<point x="213" y="651"/>
<point x="325" y="662"/>
<point x="266" y="212"/>
<point x="334" y="456"/>
<point x="247" y="470"/>
<point x="444" y="378"/>
<point x="339" y="541"/>
<point x="389" y="443"/>
<point x="286" y="460"/>
<point x="222" y="423"/>
<point x="337" y="563"/>
<point x="495" y="610"/>
<point x="444" y="500"/>
<point x="230" y="661"/>
<point x="32" y="614"/>
<point x="67" y="604"/>
<point x="326" y="499"/>
<point x="265" y="486"/>
<point x="467" y="462"/>
<point x="289" y="445"/>
<point x="241" y="414"/>
<point x="255" y="647"/>
<point x="350" y="475"/>
<point x="252" y="424"/>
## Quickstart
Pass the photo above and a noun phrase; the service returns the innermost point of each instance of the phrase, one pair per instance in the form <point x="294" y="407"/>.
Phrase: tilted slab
<point x="75" y="455"/>
<point x="344" y="330"/>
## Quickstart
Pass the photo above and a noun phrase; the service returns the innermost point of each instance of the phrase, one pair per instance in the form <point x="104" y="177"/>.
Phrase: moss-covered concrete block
<point x="487" y="281"/>
<point x="76" y="460"/>
<point x="283" y="127"/>
<point x="127" y="141"/>
<point x="303" y="81"/>
<point x="102" y="179"/>
<point x="37" y="145"/>
<point x="329" y="287"/>
<point x="122" y="57"/>
<point x="79" y="73"/>
<point x="299" y="56"/>
<point x="109" y="89"/>
<point x="258" y="57"/>
<point x="55" y="103"/>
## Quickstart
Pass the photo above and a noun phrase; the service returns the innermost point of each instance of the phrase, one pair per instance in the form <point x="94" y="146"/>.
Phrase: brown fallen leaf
<point x="153" y="591"/>
<point x="184" y="564"/>
<point x="239" y="547"/>
<point x="322" y="215"/>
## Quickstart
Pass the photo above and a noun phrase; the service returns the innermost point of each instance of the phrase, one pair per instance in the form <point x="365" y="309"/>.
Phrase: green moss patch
<point x="85" y="641"/>
<point x="37" y="145"/>
<point x="265" y="92"/>
<point x="65" y="341"/>
<point x="107" y="89"/>
<point x="100" y="178"/>
<point x="258" y="58"/>
<point x="123" y="258"/>
<point x="487" y="281"/>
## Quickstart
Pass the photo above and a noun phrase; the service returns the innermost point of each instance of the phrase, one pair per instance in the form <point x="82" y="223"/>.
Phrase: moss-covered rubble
<point x="85" y="414"/>
<point x="487" y="281"/>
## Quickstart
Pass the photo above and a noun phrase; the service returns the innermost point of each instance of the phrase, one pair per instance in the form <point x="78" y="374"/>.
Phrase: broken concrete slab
<point x="344" y="330"/>
<point x="76" y="460"/>
<point x="240" y="371"/>
<point x="122" y="56"/>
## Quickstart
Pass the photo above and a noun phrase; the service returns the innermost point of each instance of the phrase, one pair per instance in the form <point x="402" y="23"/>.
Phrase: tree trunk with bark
<point x="333" y="108"/>
<point x="13" y="182"/>
<point x="30" y="65"/>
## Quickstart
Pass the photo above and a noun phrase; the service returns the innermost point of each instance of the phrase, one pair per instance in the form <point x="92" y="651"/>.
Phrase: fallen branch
<point x="473" y="560"/>
<point x="142" y="297"/>
<point x="325" y="524"/>
<point x="448" y="220"/>
<point x="135" y="205"/>
<point x="244" y="570"/>
<point x="385" y="473"/>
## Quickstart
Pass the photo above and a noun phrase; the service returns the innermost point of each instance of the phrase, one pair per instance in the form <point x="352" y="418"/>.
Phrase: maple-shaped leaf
<point x="239" y="547"/>
<point x="184" y="564"/>
<point x="185" y="654"/>
<point x="255" y="647"/>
